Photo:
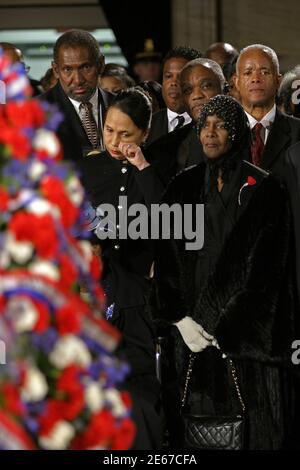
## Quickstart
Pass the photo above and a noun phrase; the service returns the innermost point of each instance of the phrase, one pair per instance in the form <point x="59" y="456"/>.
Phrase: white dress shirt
<point x="93" y="100"/>
<point x="173" y="121"/>
<point x="266" y="121"/>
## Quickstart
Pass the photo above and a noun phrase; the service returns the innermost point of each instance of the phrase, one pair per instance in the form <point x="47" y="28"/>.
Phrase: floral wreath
<point x="58" y="385"/>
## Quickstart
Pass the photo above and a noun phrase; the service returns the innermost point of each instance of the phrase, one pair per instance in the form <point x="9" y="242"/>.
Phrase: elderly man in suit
<point x="77" y="64"/>
<point x="174" y="115"/>
<point x="257" y="81"/>
<point x="200" y="80"/>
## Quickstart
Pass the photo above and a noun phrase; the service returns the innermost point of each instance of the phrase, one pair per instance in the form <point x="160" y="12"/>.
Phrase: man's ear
<point x="235" y="78"/>
<point x="101" y="64"/>
<point x="55" y="69"/>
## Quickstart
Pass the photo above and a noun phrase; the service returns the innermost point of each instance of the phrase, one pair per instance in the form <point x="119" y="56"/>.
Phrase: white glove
<point x="194" y="336"/>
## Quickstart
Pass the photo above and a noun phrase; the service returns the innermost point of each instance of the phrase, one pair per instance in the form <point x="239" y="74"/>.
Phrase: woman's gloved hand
<point x="194" y="336"/>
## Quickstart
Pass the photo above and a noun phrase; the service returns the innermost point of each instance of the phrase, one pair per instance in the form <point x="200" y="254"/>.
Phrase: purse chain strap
<point x="233" y="374"/>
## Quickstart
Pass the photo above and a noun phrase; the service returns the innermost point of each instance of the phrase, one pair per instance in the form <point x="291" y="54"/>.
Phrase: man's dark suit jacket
<point x="159" y="125"/>
<point x="285" y="131"/>
<point x="175" y="151"/>
<point x="292" y="180"/>
<point x="71" y="132"/>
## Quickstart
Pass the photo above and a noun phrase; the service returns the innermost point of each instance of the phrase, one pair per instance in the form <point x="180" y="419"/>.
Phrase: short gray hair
<point x="270" y="52"/>
<point x="208" y="63"/>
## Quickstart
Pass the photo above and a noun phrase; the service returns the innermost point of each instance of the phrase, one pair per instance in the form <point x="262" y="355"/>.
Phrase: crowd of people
<point x="220" y="130"/>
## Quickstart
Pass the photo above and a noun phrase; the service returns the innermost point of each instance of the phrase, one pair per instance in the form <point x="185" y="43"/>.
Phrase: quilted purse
<point x="214" y="432"/>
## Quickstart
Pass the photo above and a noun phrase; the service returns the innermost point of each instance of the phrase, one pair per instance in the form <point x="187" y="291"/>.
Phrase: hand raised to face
<point x="134" y="155"/>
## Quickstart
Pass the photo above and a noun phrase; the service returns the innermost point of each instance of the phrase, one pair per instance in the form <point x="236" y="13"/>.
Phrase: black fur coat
<point x="248" y="303"/>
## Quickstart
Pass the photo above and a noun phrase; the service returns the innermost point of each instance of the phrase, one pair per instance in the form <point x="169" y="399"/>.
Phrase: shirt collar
<point x="172" y="115"/>
<point x="93" y="99"/>
<point x="265" y="121"/>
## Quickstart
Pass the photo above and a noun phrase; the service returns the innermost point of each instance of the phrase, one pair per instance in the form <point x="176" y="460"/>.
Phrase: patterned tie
<point x="180" y="122"/>
<point x="89" y="123"/>
<point x="257" y="146"/>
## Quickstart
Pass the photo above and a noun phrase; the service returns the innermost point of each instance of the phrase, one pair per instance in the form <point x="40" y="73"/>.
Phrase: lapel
<point x="246" y="193"/>
<point x="278" y="139"/>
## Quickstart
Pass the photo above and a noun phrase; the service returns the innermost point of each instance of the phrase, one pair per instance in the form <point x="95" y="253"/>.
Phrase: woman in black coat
<point x="121" y="177"/>
<point x="235" y="296"/>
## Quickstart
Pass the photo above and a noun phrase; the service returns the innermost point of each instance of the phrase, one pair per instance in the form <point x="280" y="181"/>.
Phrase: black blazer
<point x="71" y="132"/>
<point x="159" y="125"/>
<point x="285" y="131"/>
<point x="292" y="179"/>
<point x="175" y="151"/>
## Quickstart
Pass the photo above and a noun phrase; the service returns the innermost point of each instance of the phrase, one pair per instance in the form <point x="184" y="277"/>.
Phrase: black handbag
<point x="214" y="432"/>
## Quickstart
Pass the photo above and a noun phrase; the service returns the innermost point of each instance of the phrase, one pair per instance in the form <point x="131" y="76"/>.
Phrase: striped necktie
<point x="89" y="123"/>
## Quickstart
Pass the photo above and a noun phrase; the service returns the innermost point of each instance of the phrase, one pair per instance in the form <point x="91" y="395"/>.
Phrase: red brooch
<point x="250" y="182"/>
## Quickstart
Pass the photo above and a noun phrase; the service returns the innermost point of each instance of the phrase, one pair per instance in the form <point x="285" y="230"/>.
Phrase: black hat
<point x="148" y="54"/>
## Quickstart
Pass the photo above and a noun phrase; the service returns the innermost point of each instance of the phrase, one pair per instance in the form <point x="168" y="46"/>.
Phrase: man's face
<point x="198" y="85"/>
<point x="77" y="72"/>
<point x="257" y="80"/>
<point x="171" y="89"/>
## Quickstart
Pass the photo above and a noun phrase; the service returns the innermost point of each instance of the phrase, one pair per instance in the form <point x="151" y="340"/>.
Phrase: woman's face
<point x="111" y="84"/>
<point x="214" y="137"/>
<point x="118" y="128"/>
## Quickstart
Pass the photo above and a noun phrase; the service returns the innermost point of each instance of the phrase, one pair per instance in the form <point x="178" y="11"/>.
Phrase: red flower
<point x="126" y="398"/>
<point x="124" y="435"/>
<point x="100" y="432"/>
<point x="22" y="224"/>
<point x="68" y="272"/>
<point x="18" y="144"/>
<point x="26" y="114"/>
<point x="4" y="198"/>
<point x="49" y="418"/>
<point x="68" y="319"/>
<point x="251" y="181"/>
<point x="45" y="239"/>
<point x="12" y="400"/>
<point x="95" y="267"/>
<point x="70" y="385"/>
<point x="54" y="190"/>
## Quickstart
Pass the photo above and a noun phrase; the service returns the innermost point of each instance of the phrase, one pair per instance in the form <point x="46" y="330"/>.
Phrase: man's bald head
<point x="221" y="52"/>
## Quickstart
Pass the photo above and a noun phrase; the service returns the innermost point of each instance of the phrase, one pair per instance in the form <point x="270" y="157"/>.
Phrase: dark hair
<point x="136" y="104"/>
<point x="153" y="88"/>
<point x="185" y="52"/>
<point x="118" y="71"/>
<point x="78" y="38"/>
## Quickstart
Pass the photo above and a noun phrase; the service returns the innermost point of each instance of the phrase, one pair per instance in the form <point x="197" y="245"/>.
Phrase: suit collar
<point x="278" y="139"/>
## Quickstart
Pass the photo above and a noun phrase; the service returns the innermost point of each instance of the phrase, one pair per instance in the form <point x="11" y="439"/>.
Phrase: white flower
<point x="94" y="397"/>
<point x="40" y="206"/>
<point x="44" y="268"/>
<point x="86" y="247"/>
<point x="47" y="141"/>
<point x="115" y="401"/>
<point x="23" y="313"/>
<point x="36" y="170"/>
<point x="35" y="387"/>
<point x="69" y="350"/>
<point x="59" y="438"/>
<point x="20" y="252"/>
<point x="75" y="191"/>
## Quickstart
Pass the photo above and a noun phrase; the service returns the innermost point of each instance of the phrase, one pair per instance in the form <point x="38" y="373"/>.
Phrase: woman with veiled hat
<point x="235" y="296"/>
